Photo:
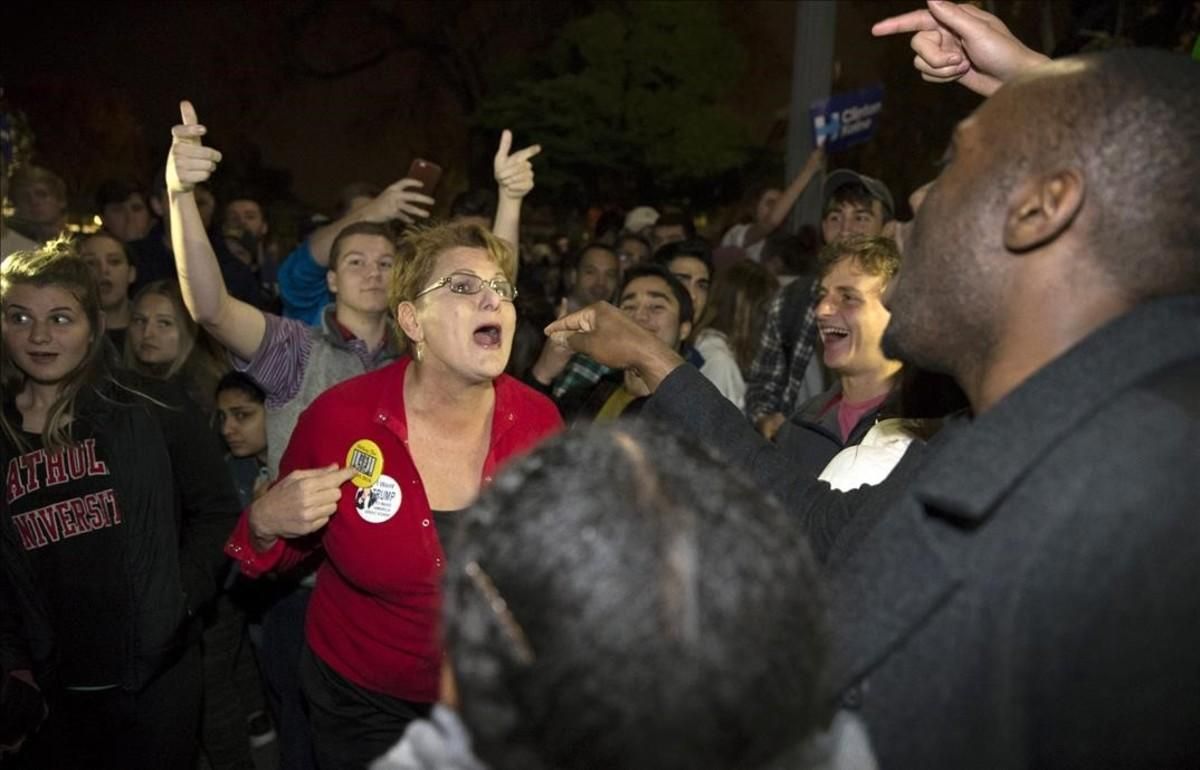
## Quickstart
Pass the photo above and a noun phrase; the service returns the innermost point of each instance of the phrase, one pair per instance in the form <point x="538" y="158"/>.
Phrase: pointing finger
<point x="913" y="21"/>
<point x="304" y="473"/>
<point x="341" y="475"/>
<point x="527" y="153"/>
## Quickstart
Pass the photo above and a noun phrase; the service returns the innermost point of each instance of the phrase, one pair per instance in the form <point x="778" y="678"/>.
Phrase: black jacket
<point x="812" y="437"/>
<point x="179" y="505"/>
<point x="1020" y="592"/>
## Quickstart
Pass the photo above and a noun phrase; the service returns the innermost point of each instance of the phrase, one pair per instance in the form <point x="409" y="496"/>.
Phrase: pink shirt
<point x="850" y="413"/>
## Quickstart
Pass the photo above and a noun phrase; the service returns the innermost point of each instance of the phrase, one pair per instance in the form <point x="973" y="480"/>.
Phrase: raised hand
<point x="189" y="163"/>
<point x="961" y="42"/>
<point x="514" y="173"/>
<point x="400" y="200"/>
<point x="814" y="163"/>
<point x="301" y="503"/>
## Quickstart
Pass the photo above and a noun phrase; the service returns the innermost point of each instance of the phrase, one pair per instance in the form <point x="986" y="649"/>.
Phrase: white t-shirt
<point x="720" y="366"/>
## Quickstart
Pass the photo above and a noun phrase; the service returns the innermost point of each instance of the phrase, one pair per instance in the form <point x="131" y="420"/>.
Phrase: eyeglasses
<point x="469" y="283"/>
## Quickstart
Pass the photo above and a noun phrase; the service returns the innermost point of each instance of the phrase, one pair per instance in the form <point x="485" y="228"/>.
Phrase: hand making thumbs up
<point x="189" y="162"/>
<point x="514" y="173"/>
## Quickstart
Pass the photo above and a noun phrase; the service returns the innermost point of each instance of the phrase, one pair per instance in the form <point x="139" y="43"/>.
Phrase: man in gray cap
<point x="784" y="374"/>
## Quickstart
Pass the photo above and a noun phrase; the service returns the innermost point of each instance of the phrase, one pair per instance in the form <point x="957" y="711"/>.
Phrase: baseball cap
<point x="844" y="176"/>
<point x="640" y="218"/>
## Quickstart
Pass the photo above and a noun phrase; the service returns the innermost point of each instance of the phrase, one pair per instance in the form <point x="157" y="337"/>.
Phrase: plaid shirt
<point x="776" y="381"/>
<point x="580" y="372"/>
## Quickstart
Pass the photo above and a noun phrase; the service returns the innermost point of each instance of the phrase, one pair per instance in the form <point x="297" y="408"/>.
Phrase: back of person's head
<point x="738" y="306"/>
<point x="655" y="270"/>
<point x="1130" y="120"/>
<point x="620" y="599"/>
<point x="380" y="229"/>
<point x="477" y="202"/>
<point x="872" y="254"/>
<point x="697" y="248"/>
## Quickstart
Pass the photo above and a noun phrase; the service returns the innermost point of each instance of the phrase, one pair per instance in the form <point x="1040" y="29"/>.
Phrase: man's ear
<point x="157" y="206"/>
<point x="1042" y="209"/>
<point x="132" y="276"/>
<point x="406" y="317"/>
<point x="331" y="281"/>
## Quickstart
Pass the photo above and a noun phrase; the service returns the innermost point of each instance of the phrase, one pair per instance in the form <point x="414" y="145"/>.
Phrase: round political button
<point x="378" y="502"/>
<point x="366" y="458"/>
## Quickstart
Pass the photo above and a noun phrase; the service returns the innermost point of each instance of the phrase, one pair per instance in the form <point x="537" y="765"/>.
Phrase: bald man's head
<point x="1129" y="121"/>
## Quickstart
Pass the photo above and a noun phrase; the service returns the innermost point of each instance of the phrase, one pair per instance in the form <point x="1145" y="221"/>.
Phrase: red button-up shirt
<point x="374" y="612"/>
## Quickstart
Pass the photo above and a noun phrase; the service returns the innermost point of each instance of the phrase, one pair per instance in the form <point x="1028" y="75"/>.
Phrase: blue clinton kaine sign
<point x="846" y="119"/>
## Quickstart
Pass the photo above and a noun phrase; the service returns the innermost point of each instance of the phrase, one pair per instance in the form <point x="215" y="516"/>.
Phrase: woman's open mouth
<point x="487" y="336"/>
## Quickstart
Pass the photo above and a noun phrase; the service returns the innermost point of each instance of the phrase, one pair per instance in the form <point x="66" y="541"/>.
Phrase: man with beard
<point x="1019" y="593"/>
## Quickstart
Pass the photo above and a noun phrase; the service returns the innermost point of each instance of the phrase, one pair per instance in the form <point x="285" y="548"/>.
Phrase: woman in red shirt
<point x="418" y="438"/>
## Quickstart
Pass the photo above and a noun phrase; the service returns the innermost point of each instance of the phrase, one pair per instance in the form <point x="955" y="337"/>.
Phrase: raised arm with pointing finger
<point x="961" y="42"/>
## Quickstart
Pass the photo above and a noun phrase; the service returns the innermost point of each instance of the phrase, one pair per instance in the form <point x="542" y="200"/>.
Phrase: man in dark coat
<point x="1021" y="592"/>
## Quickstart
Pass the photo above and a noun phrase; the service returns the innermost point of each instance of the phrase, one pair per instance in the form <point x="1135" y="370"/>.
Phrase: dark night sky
<point x="124" y="66"/>
<point x="100" y="82"/>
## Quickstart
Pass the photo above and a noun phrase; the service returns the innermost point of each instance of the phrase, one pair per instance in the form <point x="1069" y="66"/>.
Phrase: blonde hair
<point x="420" y="248"/>
<point x="55" y="264"/>
<point x="874" y="255"/>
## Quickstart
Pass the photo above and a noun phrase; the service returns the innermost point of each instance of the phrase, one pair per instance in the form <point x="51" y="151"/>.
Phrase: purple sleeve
<point x="279" y="363"/>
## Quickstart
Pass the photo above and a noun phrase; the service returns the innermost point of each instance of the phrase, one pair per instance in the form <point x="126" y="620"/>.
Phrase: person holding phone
<point x="302" y="285"/>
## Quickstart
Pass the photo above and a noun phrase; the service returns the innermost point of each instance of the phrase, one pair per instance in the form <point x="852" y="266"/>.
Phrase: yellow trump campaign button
<point x="366" y="458"/>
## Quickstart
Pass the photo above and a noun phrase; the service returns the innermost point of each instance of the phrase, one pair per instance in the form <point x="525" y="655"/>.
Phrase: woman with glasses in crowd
<point x="396" y="454"/>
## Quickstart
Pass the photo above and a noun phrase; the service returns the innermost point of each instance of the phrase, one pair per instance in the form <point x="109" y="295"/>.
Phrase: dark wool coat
<point x="1022" y="592"/>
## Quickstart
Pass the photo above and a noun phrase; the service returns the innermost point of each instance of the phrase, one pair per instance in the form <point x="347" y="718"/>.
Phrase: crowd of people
<point x="438" y="495"/>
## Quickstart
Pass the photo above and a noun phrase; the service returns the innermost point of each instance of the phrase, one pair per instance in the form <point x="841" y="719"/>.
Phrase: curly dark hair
<point x="620" y="598"/>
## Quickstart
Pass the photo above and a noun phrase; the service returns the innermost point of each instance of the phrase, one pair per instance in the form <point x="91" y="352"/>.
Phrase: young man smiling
<point x="782" y="375"/>
<point x="850" y="318"/>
